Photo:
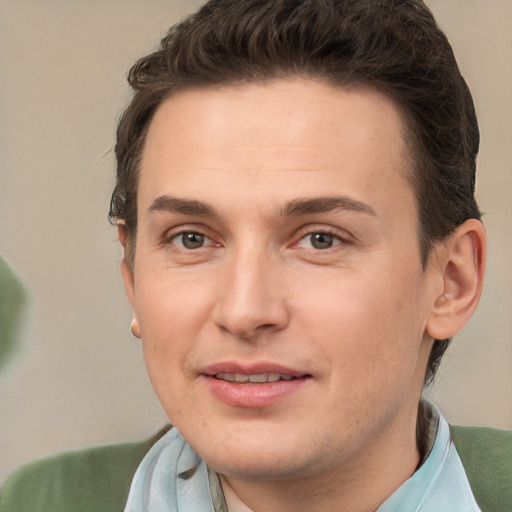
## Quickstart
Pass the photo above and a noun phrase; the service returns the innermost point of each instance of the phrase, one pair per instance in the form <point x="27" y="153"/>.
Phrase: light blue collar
<point x="173" y="478"/>
<point x="439" y="485"/>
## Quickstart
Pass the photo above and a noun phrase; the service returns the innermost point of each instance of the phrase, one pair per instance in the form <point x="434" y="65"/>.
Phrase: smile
<point x="260" y="378"/>
<point x="255" y="390"/>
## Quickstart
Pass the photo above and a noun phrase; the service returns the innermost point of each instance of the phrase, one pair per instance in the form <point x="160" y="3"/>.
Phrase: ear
<point x="126" y="268"/>
<point x="463" y="267"/>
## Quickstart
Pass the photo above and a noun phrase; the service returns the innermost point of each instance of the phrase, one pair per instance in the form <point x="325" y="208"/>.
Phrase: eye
<point x="319" y="240"/>
<point x="190" y="240"/>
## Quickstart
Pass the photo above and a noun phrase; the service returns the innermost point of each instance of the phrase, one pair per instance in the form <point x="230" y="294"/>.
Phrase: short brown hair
<point x="394" y="46"/>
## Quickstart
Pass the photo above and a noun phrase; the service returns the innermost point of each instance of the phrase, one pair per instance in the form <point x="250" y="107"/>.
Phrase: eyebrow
<point x="293" y="208"/>
<point x="183" y="206"/>
<point x="325" y="204"/>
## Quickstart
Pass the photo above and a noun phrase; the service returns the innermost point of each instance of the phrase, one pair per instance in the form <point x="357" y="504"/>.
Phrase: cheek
<point x="366" y="322"/>
<point x="170" y="303"/>
<point x="171" y="316"/>
<point x="169" y="327"/>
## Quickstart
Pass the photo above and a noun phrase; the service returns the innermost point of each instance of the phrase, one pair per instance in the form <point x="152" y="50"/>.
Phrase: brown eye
<point x="321" y="240"/>
<point x="189" y="240"/>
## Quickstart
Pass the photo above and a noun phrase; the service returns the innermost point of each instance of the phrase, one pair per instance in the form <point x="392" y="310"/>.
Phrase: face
<point x="277" y="279"/>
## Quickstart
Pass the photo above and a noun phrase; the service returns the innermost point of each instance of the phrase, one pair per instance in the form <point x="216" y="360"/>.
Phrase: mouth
<point x="254" y="385"/>
<point x="256" y="372"/>
<point x="258" y="378"/>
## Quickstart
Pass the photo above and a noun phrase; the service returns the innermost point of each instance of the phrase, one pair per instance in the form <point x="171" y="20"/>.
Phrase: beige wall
<point x="80" y="379"/>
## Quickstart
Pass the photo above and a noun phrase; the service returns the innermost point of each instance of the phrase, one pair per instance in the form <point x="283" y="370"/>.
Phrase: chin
<point x="257" y="467"/>
<point x="263" y="457"/>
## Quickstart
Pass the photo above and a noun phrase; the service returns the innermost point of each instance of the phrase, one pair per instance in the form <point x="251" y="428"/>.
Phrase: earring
<point x="444" y="298"/>
<point x="135" y="329"/>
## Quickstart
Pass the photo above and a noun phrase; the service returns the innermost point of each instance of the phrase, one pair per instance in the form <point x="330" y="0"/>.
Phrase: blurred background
<point x="78" y="377"/>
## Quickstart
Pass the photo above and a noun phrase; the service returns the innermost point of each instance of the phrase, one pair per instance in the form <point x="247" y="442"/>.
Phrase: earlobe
<point x="463" y="274"/>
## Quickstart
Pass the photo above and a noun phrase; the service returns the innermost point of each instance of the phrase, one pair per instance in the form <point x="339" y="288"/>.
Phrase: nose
<point x="252" y="296"/>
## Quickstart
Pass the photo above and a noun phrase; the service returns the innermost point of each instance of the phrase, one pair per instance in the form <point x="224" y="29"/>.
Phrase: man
<point x="295" y="199"/>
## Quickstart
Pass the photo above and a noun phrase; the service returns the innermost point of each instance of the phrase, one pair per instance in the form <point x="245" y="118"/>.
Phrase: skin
<point x="355" y="317"/>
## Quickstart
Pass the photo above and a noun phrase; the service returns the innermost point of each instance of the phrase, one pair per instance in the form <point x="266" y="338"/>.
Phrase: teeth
<point x="257" y="378"/>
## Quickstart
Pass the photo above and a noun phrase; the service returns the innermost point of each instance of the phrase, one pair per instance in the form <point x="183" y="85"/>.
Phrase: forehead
<point x="276" y="137"/>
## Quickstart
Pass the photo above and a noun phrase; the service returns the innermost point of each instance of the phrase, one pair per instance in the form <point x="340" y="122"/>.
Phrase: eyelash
<point x="173" y="236"/>
<point x="336" y="239"/>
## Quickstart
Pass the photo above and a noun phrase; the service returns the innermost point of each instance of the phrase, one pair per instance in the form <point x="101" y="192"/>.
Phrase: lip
<point x="251" y="369"/>
<point x="253" y="395"/>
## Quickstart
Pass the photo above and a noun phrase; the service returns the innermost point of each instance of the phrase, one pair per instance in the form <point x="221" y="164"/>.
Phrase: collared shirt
<point x="173" y="478"/>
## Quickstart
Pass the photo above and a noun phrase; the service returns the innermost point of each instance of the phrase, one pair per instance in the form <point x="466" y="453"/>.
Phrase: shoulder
<point x="486" y="455"/>
<point x="95" y="479"/>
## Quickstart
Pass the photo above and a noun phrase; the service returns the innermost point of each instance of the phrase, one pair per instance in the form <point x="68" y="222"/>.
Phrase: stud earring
<point x="444" y="298"/>
<point x="135" y="329"/>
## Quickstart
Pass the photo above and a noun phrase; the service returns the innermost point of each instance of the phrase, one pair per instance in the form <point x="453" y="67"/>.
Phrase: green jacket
<point x="12" y="302"/>
<point x="98" y="479"/>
